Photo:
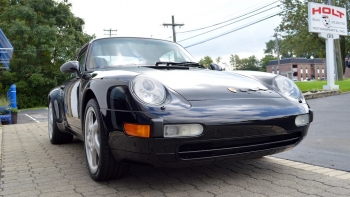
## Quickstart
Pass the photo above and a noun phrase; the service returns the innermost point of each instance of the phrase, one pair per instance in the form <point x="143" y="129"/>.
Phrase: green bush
<point x="4" y="101"/>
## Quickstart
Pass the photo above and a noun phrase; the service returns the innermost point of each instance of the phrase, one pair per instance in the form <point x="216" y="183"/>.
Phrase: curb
<point x="0" y="146"/>
<point x="312" y="168"/>
<point x="320" y="94"/>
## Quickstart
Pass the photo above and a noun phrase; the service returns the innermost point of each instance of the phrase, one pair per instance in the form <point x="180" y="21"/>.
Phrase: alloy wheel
<point x="92" y="140"/>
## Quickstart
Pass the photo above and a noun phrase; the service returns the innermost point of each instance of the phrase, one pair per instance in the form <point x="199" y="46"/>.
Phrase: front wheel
<point x="101" y="163"/>
<point x="55" y="135"/>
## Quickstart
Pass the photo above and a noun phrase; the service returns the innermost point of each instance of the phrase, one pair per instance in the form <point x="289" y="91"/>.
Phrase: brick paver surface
<point x="31" y="166"/>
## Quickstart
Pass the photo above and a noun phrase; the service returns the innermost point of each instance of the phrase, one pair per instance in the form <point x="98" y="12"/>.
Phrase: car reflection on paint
<point x="147" y="101"/>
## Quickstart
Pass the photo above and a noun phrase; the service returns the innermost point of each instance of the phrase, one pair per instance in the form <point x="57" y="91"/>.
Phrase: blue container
<point x="13" y="99"/>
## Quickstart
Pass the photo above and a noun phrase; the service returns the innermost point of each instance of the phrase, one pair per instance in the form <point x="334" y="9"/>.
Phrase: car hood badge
<point x="232" y="90"/>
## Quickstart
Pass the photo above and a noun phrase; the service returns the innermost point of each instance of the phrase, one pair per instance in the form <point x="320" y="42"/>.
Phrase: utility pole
<point x="110" y="32"/>
<point x="173" y="26"/>
<point x="278" y="54"/>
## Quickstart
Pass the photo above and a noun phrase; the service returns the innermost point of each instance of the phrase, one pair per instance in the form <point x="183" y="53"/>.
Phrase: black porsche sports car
<point x="147" y="101"/>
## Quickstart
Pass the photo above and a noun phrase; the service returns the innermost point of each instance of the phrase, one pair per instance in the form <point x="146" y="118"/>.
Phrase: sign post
<point x="329" y="22"/>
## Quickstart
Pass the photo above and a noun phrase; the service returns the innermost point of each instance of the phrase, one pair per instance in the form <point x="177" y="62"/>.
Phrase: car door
<point x="72" y="97"/>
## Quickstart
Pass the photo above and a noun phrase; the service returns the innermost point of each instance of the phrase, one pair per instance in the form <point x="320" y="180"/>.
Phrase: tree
<point x="44" y="34"/>
<point x="250" y="63"/>
<point x="285" y="52"/>
<point x="234" y="59"/>
<point x="265" y="61"/>
<point x="271" y="48"/>
<point x="218" y="60"/>
<point x="296" y="37"/>
<point x="206" y="61"/>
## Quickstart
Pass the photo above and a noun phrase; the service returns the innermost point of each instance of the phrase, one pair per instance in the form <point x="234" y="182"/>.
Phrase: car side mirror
<point x="215" y="67"/>
<point x="70" y="67"/>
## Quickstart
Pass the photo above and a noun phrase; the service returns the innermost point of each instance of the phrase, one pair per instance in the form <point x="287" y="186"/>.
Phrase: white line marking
<point x="32" y="118"/>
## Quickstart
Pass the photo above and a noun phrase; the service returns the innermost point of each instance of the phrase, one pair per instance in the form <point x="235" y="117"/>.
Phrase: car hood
<point x="212" y="85"/>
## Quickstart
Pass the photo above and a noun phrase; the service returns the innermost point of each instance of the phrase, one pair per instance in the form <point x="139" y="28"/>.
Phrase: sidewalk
<point x="32" y="166"/>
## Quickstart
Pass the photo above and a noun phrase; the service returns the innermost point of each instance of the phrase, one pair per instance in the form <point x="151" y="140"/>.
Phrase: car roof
<point x="130" y="37"/>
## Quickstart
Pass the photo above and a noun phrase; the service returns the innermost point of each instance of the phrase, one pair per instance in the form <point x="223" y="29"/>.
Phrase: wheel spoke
<point x="91" y="119"/>
<point x="93" y="157"/>
<point x="95" y="127"/>
<point x="97" y="144"/>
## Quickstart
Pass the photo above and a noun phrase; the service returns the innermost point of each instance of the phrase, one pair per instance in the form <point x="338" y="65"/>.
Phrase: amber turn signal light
<point x="138" y="130"/>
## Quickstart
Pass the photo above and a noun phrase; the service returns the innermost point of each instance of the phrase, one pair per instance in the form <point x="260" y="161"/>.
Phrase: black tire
<point x="101" y="163"/>
<point x="55" y="135"/>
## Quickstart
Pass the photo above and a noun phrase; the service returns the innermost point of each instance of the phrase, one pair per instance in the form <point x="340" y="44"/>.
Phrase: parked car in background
<point x="147" y="101"/>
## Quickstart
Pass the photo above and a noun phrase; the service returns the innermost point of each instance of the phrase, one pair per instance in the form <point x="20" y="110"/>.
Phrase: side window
<point x="81" y="60"/>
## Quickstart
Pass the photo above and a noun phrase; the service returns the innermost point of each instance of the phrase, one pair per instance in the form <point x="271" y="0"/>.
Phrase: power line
<point x="173" y="26"/>
<point x="232" y="30"/>
<point x="255" y="6"/>
<point x="229" y="19"/>
<point x="226" y="25"/>
<point x="204" y="8"/>
<point x="222" y="48"/>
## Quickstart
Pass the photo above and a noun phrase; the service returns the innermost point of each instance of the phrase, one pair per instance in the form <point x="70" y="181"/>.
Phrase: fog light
<point x="302" y="120"/>
<point x="182" y="130"/>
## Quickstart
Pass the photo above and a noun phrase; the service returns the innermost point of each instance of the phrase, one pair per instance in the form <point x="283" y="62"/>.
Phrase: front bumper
<point x="231" y="130"/>
<point x="217" y="143"/>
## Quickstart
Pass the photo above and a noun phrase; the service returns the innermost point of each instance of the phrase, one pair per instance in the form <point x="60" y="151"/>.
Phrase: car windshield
<point x="115" y="52"/>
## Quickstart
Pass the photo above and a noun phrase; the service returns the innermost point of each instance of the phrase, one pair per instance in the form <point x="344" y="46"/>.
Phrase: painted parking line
<point x="32" y="118"/>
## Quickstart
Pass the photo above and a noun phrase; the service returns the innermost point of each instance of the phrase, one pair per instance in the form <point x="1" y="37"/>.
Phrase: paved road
<point x="31" y="166"/>
<point x="32" y="116"/>
<point x="328" y="141"/>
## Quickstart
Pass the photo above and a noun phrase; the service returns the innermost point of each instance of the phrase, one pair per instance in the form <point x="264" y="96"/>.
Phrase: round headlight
<point x="287" y="87"/>
<point x="148" y="90"/>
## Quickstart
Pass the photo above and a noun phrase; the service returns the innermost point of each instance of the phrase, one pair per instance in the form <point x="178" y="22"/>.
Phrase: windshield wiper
<point x="196" y="64"/>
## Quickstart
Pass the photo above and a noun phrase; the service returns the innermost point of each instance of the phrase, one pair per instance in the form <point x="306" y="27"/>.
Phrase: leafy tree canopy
<point x="237" y="63"/>
<point x="44" y="34"/>
<point x="206" y="61"/>
<point x="265" y="61"/>
<point x="250" y="63"/>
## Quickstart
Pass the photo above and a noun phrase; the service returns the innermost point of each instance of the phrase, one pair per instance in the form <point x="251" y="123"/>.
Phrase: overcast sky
<point x="144" y="18"/>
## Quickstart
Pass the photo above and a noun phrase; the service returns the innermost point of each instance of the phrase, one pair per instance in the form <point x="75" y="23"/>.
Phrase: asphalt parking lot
<point x="31" y="166"/>
<point x="32" y="116"/>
